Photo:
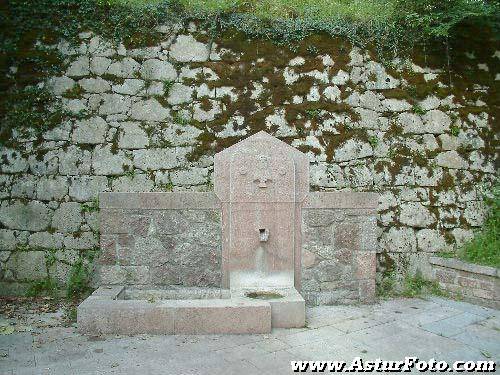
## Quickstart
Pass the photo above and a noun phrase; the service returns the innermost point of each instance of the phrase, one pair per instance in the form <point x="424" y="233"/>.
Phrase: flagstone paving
<point x="427" y="328"/>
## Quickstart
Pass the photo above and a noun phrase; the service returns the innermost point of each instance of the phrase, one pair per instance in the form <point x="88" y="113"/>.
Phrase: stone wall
<point x="472" y="282"/>
<point x="338" y="264"/>
<point x="158" y="242"/>
<point x="153" y="118"/>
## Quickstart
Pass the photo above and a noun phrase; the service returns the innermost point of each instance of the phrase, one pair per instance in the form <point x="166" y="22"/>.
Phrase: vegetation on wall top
<point x="391" y="26"/>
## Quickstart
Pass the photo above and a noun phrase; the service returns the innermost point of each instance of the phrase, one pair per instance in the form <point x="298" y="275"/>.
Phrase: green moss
<point x="90" y="207"/>
<point x="447" y="182"/>
<point x="43" y="287"/>
<point x="75" y="93"/>
<point x="411" y="286"/>
<point x="31" y="110"/>
<point x="78" y="283"/>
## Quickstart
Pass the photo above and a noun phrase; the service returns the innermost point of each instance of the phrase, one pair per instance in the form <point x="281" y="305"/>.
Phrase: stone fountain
<point x="222" y="262"/>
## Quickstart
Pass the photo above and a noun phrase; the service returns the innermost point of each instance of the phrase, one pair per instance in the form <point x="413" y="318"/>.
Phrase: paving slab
<point x="333" y="333"/>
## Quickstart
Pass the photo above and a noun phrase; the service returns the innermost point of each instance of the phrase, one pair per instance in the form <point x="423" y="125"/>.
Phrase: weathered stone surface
<point x="427" y="176"/>
<point x="429" y="103"/>
<point x="412" y="123"/>
<point x="438" y="154"/>
<point x="359" y="175"/>
<point x="124" y="275"/>
<point x="106" y="162"/>
<point x="44" y="165"/>
<point x="80" y="241"/>
<point x="132" y="136"/>
<point x="353" y="149"/>
<point x="45" y="240"/>
<point x="436" y="122"/>
<point x="368" y="100"/>
<point x="377" y="77"/>
<point x="475" y="213"/>
<point x="125" y="68"/>
<point x="95" y="85"/>
<point x="59" y="133"/>
<point x="451" y="159"/>
<point x="86" y="188"/>
<point x="149" y="110"/>
<point x="154" y="159"/>
<point x="5" y="186"/>
<point x="179" y="94"/>
<point x="330" y="176"/>
<point x="386" y="200"/>
<point x="74" y="106"/>
<point x="28" y="265"/>
<point x="413" y="195"/>
<point x="99" y="65"/>
<point x="478" y="162"/>
<point x="475" y="283"/>
<point x="24" y="187"/>
<point x="68" y="217"/>
<point x="181" y="135"/>
<point x="129" y="87"/>
<point x="158" y="70"/>
<point x="52" y="188"/>
<point x="193" y="176"/>
<point x="187" y="49"/>
<point x="33" y="216"/>
<point x="416" y="215"/>
<point x="429" y="142"/>
<point x="399" y="240"/>
<point x="90" y="131"/>
<point x="98" y="46"/>
<point x="59" y="85"/>
<point x="396" y="105"/>
<point x="12" y="161"/>
<point x="332" y="93"/>
<point x="7" y="240"/>
<point x="462" y="236"/>
<point x="114" y="103"/>
<point x="79" y="68"/>
<point x="430" y="240"/>
<point x="74" y="161"/>
<point x="145" y="52"/>
<point x="136" y="183"/>
<point x="341" y="78"/>
<point x="208" y="112"/>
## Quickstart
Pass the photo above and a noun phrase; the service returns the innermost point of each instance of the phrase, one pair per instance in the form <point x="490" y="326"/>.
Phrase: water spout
<point x="263" y="235"/>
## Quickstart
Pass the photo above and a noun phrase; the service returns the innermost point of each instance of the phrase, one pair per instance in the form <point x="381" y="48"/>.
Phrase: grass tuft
<point x="411" y="286"/>
<point x="484" y="248"/>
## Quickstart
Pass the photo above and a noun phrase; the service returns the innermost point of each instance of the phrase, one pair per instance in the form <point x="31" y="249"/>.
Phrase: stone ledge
<point x="160" y="201"/>
<point x="464" y="266"/>
<point x="104" y="312"/>
<point x="368" y="201"/>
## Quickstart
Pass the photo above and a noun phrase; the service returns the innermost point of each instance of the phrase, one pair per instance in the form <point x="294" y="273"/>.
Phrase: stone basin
<point x="124" y="310"/>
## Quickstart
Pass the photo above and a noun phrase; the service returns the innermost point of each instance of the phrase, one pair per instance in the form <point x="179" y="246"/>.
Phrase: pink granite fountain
<point x="260" y="186"/>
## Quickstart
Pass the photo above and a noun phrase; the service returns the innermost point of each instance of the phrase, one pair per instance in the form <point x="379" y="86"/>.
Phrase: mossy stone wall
<point x="423" y="132"/>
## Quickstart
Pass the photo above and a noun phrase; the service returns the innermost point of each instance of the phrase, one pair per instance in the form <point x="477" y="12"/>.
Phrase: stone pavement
<point x="392" y="329"/>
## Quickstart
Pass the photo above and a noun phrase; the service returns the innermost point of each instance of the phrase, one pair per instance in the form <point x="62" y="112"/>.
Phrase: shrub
<point x="439" y="18"/>
<point x="79" y="280"/>
<point x="484" y="248"/>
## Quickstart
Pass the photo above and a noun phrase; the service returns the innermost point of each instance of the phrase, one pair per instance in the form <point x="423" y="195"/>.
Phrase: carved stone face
<point x="262" y="178"/>
<point x="269" y="163"/>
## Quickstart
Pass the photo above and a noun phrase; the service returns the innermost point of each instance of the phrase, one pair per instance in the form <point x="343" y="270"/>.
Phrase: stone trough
<point x="228" y="261"/>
